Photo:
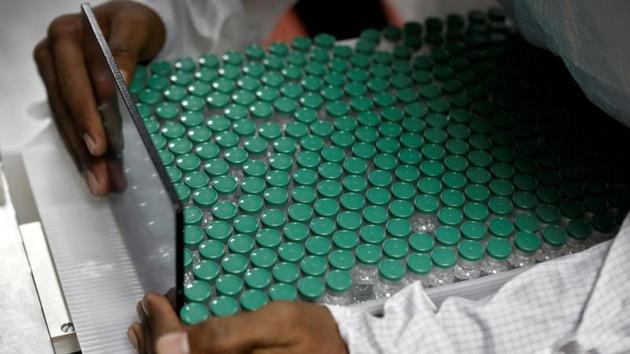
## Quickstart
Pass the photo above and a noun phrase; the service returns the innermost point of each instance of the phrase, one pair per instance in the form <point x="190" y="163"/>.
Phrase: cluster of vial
<point x="339" y="174"/>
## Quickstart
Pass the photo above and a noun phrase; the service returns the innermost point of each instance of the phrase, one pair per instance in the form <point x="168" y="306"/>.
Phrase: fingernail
<point x="132" y="339"/>
<point x="144" y="308"/>
<point x="173" y="343"/>
<point x="125" y="76"/>
<point x="92" y="182"/>
<point x="89" y="142"/>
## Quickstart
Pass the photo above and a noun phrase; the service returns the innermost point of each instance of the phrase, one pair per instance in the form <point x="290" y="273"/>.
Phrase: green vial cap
<point x="167" y="110"/>
<point x="372" y="234"/>
<point x="338" y="281"/>
<point x="377" y="196"/>
<point x="276" y="196"/>
<point x="193" y="236"/>
<point x="429" y="185"/>
<point x="219" y="230"/>
<point x="296" y="130"/>
<point x="252" y="300"/>
<point x="548" y="213"/>
<point x="300" y="212"/>
<point x="526" y="222"/>
<point x="499" y="248"/>
<point x="312" y="143"/>
<point x="225" y="184"/>
<point x="501" y="227"/>
<point x="234" y="264"/>
<point x="368" y="254"/>
<point x="193" y="313"/>
<point x="450" y="216"/>
<point x="192" y="215"/>
<point x="421" y="242"/>
<point x="278" y="178"/>
<point x="380" y="178"/>
<point x="352" y="201"/>
<point x="354" y="183"/>
<point x="333" y="154"/>
<point x="349" y="220"/>
<point x="206" y="270"/>
<point x="407" y="173"/>
<point x="391" y="270"/>
<point x="281" y="161"/>
<point x="329" y="188"/>
<point x="308" y="159"/>
<point x="403" y="190"/>
<point x="224" y="210"/>
<point x="257" y="278"/>
<point x="470" y="250"/>
<point x="323" y="226"/>
<point x="476" y="211"/>
<point x="447" y="235"/>
<point x="268" y="238"/>
<point x="399" y="228"/>
<point x="420" y="264"/>
<point x="473" y="230"/>
<point x="500" y="205"/>
<point x="212" y="250"/>
<point x="282" y="292"/>
<point x="245" y="224"/>
<point x="253" y="185"/>
<point x="337" y="108"/>
<point x="197" y="291"/>
<point x="196" y="179"/>
<point x="341" y="259"/>
<point x="311" y="288"/>
<point x="303" y="194"/>
<point x="285" y="272"/>
<point x="477" y="192"/>
<point x="313" y="266"/>
<point x="554" y="236"/>
<point x="395" y="248"/>
<point x="224" y="306"/>
<point x="188" y="259"/>
<point x="426" y="203"/>
<point x="296" y="232"/>
<point x="330" y="170"/>
<point x="263" y="257"/>
<point x="273" y="218"/>
<point x="345" y="239"/>
<point x="291" y="252"/>
<point x="578" y="230"/>
<point x="229" y="284"/>
<point x="443" y="257"/>
<point x="401" y="208"/>
<point x="527" y="242"/>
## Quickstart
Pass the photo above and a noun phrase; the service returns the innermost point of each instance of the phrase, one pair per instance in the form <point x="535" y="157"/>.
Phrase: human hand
<point x="280" y="327"/>
<point x="134" y="33"/>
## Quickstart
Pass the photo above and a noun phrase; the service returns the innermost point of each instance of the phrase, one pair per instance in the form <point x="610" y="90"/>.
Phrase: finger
<point x="45" y="67"/>
<point x="134" y="334"/>
<point x="65" y="43"/>
<point x="94" y="168"/>
<point x="241" y="333"/>
<point x="161" y="317"/>
<point x="127" y="40"/>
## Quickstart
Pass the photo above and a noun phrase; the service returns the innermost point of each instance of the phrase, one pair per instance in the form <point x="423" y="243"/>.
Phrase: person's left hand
<point x="280" y="327"/>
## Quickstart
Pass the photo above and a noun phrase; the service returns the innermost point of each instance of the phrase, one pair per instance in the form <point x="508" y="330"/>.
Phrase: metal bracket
<point x="60" y="327"/>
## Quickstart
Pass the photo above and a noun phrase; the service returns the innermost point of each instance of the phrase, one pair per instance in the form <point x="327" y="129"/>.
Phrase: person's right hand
<point x="134" y="33"/>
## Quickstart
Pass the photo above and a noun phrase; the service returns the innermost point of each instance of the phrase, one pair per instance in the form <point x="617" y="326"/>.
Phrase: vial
<point x="470" y="255"/>
<point x="526" y="245"/>
<point x="390" y="278"/>
<point x="497" y="252"/>
<point x="418" y="268"/>
<point x="365" y="272"/>
<point x="444" y="260"/>
<point x="578" y="232"/>
<point x="553" y="240"/>
<point x="338" y="288"/>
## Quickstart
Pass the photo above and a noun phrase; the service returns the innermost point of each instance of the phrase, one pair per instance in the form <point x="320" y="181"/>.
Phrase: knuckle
<point x="64" y="26"/>
<point x="40" y="52"/>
